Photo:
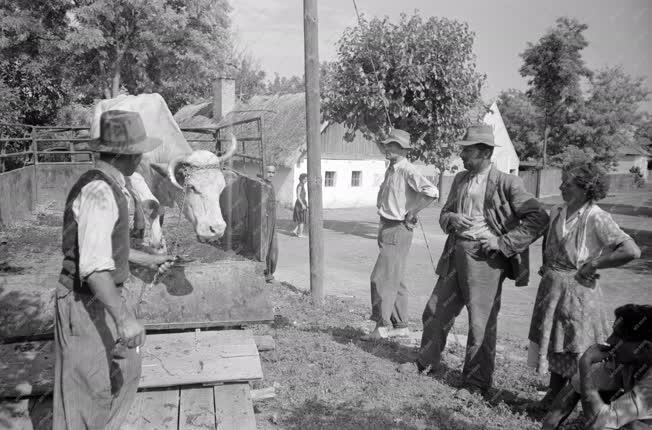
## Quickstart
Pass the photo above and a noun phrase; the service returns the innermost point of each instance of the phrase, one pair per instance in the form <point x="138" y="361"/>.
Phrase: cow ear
<point x="160" y="168"/>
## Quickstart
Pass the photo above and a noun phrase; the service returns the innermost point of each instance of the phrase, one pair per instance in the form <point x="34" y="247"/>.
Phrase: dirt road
<point x="351" y="251"/>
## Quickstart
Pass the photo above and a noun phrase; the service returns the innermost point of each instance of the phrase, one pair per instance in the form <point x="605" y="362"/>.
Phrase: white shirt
<point x="96" y="212"/>
<point x="473" y="206"/>
<point x="402" y="189"/>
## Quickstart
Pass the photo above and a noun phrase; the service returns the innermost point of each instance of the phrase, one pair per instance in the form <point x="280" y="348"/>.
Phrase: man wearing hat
<point x="403" y="193"/>
<point x="491" y="220"/>
<point x="97" y="336"/>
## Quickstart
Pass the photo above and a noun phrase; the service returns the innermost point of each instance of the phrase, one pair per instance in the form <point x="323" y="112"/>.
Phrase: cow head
<point x="199" y="182"/>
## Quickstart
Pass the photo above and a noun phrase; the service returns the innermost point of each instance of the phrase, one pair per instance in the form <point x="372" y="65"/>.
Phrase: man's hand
<point x="595" y="354"/>
<point x="490" y="244"/>
<point x="461" y="222"/>
<point x="131" y="332"/>
<point x="161" y="263"/>
<point x="411" y="220"/>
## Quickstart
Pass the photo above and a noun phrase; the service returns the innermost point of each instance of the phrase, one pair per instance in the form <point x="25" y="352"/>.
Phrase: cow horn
<point x="172" y="166"/>
<point x="229" y="152"/>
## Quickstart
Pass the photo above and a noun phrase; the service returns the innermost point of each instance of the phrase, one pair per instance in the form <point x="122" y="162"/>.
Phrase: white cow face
<point x="199" y="181"/>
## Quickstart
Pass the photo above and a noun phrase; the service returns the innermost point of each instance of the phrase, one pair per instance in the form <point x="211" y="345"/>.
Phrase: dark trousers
<point x="95" y="380"/>
<point x="272" y="257"/>
<point x="474" y="280"/>
<point x="389" y="295"/>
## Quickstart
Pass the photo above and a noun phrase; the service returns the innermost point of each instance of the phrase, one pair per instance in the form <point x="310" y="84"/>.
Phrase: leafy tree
<point x="248" y="75"/>
<point x="522" y="121"/>
<point x="420" y="74"/>
<point x="284" y="85"/>
<point x="104" y="47"/>
<point x="608" y="118"/>
<point x="554" y="68"/>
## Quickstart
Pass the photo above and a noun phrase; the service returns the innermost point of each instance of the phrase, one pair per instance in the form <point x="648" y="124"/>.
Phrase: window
<point x="356" y="178"/>
<point x="329" y="179"/>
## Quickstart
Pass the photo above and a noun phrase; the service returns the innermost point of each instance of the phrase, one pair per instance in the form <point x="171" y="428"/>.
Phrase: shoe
<point x="399" y="332"/>
<point x="377" y="334"/>
<point x="469" y="392"/>
<point x="269" y="279"/>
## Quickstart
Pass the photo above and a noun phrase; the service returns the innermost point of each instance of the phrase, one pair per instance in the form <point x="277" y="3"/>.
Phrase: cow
<point x="174" y="172"/>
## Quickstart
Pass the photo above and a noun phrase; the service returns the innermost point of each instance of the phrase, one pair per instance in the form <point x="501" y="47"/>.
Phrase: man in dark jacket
<point x="491" y="220"/>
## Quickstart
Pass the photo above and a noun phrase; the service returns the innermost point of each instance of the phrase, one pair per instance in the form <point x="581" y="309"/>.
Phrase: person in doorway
<point x="581" y="238"/>
<point x="97" y="364"/>
<point x="300" y="214"/>
<point x="272" y="250"/>
<point x="402" y="195"/>
<point x="614" y="381"/>
<point x="491" y="220"/>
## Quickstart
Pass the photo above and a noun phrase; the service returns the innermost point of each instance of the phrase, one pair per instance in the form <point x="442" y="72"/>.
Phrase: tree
<point x="415" y="75"/>
<point x="248" y="75"/>
<point x="608" y="118"/>
<point x="103" y="47"/>
<point x="283" y="85"/>
<point x="175" y="48"/>
<point x="523" y="123"/>
<point x="554" y="68"/>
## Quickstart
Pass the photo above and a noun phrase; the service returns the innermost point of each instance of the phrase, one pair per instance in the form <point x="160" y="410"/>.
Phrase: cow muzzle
<point x="210" y="233"/>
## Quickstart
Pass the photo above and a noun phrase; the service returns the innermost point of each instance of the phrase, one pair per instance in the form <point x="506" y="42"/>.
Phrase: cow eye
<point x="193" y="189"/>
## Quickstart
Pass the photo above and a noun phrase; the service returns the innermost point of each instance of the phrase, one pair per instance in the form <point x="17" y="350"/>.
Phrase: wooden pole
<point x="311" y="59"/>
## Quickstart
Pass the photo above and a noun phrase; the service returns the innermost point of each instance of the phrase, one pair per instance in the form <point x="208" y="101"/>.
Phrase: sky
<point x="619" y="33"/>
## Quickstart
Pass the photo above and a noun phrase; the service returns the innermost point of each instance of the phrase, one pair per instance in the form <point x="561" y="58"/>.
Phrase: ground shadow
<point x="363" y="229"/>
<point x="175" y="280"/>
<point x="316" y="414"/>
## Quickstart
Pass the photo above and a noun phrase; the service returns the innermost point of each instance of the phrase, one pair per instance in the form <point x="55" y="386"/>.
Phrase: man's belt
<point x="390" y="221"/>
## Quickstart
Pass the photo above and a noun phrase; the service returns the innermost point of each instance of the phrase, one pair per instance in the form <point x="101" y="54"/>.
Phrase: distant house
<point x="633" y="155"/>
<point x="351" y="171"/>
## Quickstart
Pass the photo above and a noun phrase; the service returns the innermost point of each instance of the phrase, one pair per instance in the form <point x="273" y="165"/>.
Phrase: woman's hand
<point x="587" y="274"/>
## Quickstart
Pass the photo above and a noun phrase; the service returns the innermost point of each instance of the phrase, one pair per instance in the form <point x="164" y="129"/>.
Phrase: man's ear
<point x="160" y="168"/>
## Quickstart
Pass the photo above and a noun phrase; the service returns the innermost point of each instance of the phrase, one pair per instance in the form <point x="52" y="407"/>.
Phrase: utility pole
<point x="311" y="62"/>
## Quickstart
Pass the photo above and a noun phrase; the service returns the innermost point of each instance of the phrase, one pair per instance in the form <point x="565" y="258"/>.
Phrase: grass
<point x="327" y="378"/>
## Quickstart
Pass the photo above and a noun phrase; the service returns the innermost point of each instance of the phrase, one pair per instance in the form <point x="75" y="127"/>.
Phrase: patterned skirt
<point x="567" y="318"/>
<point x="300" y="215"/>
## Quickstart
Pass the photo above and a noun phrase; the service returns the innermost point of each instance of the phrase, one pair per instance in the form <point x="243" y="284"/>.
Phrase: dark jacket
<point x="510" y="210"/>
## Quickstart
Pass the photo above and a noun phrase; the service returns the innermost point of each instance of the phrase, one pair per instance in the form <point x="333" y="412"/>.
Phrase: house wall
<point x="626" y="162"/>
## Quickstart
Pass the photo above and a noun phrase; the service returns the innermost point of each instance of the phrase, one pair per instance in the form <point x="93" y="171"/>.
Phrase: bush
<point x="639" y="181"/>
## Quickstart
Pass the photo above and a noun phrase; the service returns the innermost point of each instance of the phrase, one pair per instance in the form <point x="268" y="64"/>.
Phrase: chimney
<point x="223" y="97"/>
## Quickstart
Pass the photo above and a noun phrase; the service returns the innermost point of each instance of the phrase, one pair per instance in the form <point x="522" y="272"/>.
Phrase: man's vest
<point x="119" y="238"/>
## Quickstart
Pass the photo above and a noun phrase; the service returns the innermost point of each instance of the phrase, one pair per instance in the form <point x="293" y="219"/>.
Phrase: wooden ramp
<point x="224" y="407"/>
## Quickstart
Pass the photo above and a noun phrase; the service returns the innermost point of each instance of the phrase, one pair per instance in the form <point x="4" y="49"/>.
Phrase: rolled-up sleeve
<point x="96" y="212"/>
<point x="421" y="184"/>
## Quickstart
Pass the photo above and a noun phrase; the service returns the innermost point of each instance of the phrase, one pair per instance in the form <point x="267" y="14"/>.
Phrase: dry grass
<point x="327" y="378"/>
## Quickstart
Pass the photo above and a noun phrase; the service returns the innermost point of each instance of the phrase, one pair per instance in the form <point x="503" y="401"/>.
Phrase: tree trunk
<point x="115" y="81"/>
<point x="440" y="183"/>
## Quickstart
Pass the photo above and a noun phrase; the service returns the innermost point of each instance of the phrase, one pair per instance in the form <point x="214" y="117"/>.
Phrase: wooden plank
<point x="197" y="409"/>
<point x="233" y="407"/>
<point x="168" y="359"/>
<point x="160" y="410"/>
<point x="184" y="297"/>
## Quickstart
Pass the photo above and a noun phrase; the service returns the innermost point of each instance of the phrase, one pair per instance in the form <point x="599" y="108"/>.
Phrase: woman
<point x="300" y="206"/>
<point x="568" y="316"/>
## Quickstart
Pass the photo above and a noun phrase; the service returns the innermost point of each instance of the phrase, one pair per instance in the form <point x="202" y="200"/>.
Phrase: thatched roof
<point x="633" y="149"/>
<point x="284" y="124"/>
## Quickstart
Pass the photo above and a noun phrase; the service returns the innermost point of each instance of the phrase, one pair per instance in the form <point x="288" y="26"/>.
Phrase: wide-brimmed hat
<point x="399" y="136"/>
<point x="478" y="134"/>
<point x="123" y="132"/>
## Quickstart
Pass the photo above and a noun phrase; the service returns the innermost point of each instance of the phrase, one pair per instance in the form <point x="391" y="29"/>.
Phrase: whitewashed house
<point x="632" y="155"/>
<point x="352" y="171"/>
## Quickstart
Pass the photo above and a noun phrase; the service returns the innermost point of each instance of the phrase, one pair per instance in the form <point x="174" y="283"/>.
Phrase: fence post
<point x="538" y="192"/>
